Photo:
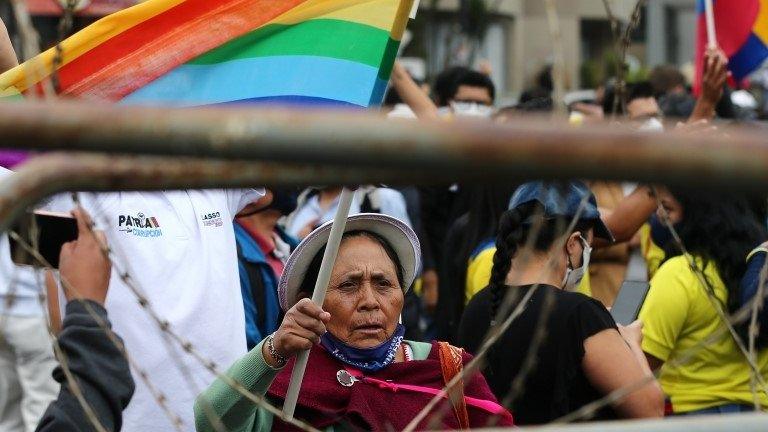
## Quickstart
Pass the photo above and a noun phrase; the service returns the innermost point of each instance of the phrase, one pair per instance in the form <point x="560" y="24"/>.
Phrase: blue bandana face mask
<point x="660" y="232"/>
<point x="366" y="359"/>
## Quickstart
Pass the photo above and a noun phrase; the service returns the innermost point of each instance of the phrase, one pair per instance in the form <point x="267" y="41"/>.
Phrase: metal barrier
<point x="209" y="148"/>
<point x="58" y="172"/>
<point x="345" y="147"/>
<point x="740" y="422"/>
<point x="437" y="151"/>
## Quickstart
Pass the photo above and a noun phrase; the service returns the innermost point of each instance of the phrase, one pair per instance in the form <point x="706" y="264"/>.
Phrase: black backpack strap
<point x="366" y="206"/>
<point x="256" y="282"/>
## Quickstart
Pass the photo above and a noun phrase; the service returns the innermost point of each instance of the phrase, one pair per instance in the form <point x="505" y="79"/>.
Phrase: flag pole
<point x="709" y="13"/>
<point x="318" y="296"/>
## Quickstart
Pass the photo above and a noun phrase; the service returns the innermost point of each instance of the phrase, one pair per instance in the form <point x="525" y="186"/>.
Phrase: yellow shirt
<point x="652" y="253"/>
<point x="677" y="315"/>
<point x="479" y="274"/>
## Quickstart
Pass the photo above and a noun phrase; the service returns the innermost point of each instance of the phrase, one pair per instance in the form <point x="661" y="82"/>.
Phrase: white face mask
<point x="573" y="276"/>
<point x="653" y="124"/>
<point x="471" y="109"/>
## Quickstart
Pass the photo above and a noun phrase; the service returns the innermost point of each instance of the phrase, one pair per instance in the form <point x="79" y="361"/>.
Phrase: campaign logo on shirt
<point x="139" y="225"/>
<point x="212" y="219"/>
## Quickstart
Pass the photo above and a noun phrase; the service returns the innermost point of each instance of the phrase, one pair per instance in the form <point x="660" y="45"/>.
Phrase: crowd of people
<point x="182" y="310"/>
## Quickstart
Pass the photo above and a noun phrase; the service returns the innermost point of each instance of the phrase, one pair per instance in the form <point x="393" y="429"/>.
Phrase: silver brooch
<point x="345" y="378"/>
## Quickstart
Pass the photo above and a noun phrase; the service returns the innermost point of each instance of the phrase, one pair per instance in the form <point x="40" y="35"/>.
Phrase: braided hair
<point x="515" y="227"/>
<point x="510" y="235"/>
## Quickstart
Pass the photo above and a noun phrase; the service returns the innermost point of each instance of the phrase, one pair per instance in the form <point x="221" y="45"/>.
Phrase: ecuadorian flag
<point x="207" y="52"/>
<point x="742" y="33"/>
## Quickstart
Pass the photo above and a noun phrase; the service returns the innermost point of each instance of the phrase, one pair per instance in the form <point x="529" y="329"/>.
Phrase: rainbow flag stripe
<point x="742" y="33"/>
<point x="204" y="52"/>
<point x="755" y="49"/>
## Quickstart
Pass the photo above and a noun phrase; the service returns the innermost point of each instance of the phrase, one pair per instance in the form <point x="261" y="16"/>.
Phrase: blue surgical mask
<point x="366" y="359"/>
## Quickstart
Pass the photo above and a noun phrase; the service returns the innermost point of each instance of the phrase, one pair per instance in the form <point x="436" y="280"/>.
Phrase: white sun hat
<point x="395" y="232"/>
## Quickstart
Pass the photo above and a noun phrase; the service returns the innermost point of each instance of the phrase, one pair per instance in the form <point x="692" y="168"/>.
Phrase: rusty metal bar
<point x="753" y="422"/>
<point x="347" y="148"/>
<point x="451" y="151"/>
<point x="59" y="172"/>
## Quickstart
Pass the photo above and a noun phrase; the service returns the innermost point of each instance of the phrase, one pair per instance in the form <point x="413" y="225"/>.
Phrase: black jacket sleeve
<point x="100" y="369"/>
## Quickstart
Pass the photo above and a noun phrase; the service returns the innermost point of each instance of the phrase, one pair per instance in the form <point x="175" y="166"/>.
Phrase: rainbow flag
<point x="742" y="33"/>
<point x="208" y="52"/>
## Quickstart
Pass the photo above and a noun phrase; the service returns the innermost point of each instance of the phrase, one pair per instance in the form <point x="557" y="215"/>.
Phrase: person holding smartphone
<point x="93" y="357"/>
<point x="583" y="355"/>
<point x="26" y="355"/>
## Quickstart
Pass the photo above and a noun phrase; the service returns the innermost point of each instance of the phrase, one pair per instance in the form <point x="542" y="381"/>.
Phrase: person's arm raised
<point x="94" y="360"/>
<point x="713" y="79"/>
<point x="412" y="95"/>
<point x="301" y="328"/>
<point x="629" y="215"/>
<point x="85" y="269"/>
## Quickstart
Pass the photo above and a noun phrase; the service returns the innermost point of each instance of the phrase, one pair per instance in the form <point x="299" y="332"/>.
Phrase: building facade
<point x="671" y="32"/>
<point x="518" y="41"/>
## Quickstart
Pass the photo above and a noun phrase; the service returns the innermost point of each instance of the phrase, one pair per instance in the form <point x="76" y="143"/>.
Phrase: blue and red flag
<point x="742" y="33"/>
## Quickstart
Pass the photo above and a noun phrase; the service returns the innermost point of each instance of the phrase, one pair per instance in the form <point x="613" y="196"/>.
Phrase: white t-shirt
<point x="179" y="249"/>
<point x="389" y="202"/>
<point x="23" y="282"/>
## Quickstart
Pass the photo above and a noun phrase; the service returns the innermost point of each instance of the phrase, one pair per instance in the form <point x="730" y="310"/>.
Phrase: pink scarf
<point x="323" y="401"/>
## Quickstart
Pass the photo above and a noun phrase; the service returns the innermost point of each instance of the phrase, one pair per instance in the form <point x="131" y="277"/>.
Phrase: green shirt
<point x="236" y="412"/>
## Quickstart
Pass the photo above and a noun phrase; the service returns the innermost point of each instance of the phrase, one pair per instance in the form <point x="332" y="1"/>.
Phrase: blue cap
<point x="562" y="199"/>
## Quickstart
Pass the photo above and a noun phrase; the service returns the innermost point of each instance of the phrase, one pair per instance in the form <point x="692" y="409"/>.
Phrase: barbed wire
<point x="620" y="93"/>
<point x="495" y="332"/>
<point x="159" y="397"/>
<point x="10" y="298"/>
<point x="613" y="397"/>
<point x="510" y="299"/>
<point x="616" y="32"/>
<point x="63" y="361"/>
<point x="490" y="339"/>
<point x="558" y="57"/>
<point x="65" y="26"/>
<point x="757" y="306"/>
<point x="100" y="322"/>
<point x="681" y="359"/>
<point x="176" y="420"/>
<point x="34" y="68"/>
<point x="187" y="346"/>
<point x="30" y="43"/>
<point x="710" y="292"/>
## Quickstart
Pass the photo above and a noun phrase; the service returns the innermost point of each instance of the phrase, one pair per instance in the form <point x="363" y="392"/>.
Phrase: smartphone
<point x="627" y="306"/>
<point x="49" y="231"/>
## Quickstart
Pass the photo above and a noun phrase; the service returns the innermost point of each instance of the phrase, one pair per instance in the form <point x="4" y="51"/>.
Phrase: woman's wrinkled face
<point x="364" y="296"/>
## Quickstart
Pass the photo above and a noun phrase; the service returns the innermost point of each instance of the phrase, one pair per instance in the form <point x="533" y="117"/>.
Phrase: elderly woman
<point x="361" y="373"/>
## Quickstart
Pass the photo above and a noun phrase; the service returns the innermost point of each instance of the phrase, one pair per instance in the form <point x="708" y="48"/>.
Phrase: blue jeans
<point x="722" y="409"/>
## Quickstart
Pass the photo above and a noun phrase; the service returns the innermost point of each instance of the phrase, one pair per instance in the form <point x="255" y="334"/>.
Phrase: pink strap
<point x="485" y="405"/>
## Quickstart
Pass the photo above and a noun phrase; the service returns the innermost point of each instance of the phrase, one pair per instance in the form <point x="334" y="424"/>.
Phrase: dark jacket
<point x="99" y="368"/>
<point x="258" y="285"/>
